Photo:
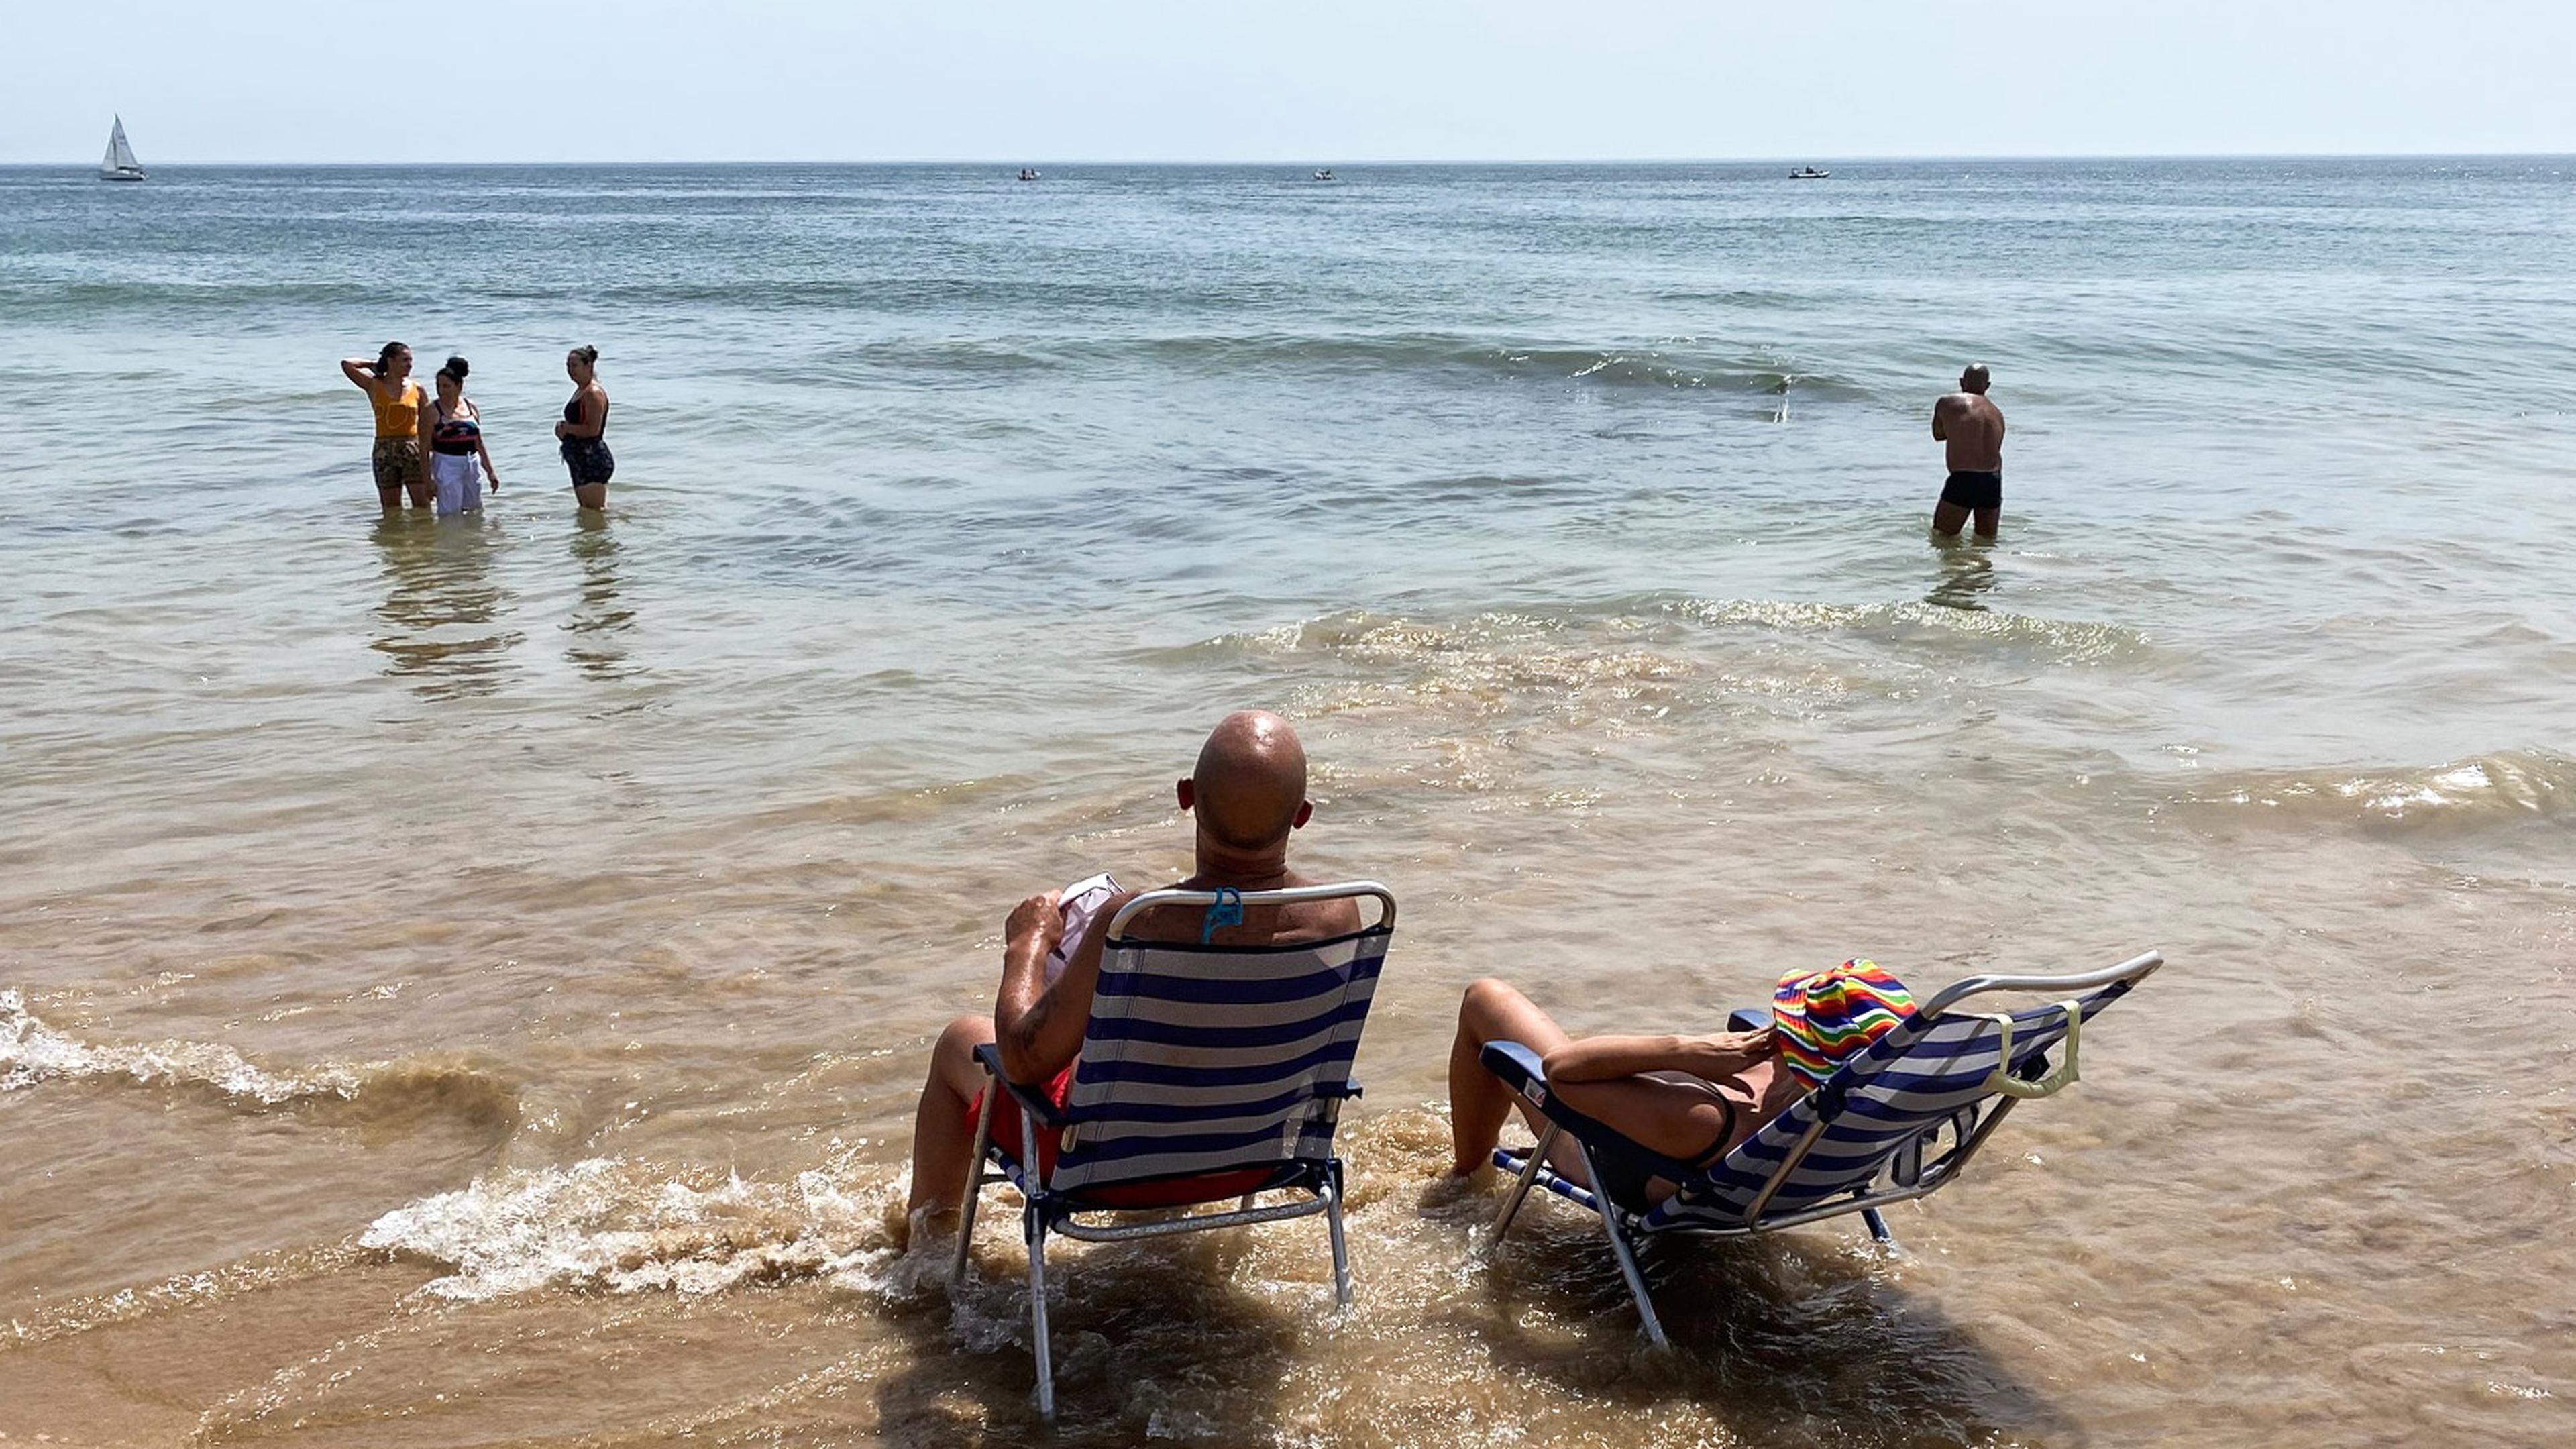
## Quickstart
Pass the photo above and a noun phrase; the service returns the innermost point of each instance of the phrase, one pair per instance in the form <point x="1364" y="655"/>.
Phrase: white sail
<point x="119" y="161"/>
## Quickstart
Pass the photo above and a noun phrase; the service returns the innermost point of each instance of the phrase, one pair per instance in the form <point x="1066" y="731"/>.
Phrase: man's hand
<point x="1040" y="916"/>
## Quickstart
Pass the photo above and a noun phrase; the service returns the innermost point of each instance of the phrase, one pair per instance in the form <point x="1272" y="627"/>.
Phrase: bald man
<point x="1245" y="797"/>
<point x="1971" y="429"/>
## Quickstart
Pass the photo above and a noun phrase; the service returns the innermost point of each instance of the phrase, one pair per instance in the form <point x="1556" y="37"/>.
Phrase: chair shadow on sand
<point x="1164" y="1338"/>
<point x="1789" y="1340"/>
<point x="1797" y="1342"/>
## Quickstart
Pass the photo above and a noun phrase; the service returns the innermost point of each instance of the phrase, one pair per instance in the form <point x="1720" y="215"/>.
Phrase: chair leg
<point x="1619" y="1250"/>
<point x="1878" y="1227"/>
<point x="1037" y="1235"/>
<point x="974" y="1188"/>
<point x="1521" y="1186"/>
<point x="1332" y="1195"/>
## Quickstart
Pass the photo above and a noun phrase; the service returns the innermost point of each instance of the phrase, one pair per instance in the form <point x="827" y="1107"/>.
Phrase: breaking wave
<point x="2457" y="798"/>
<point x="34" y="1053"/>
<point x="621" y="1226"/>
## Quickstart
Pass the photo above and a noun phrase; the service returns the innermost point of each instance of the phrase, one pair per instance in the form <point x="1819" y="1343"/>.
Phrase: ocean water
<point x="467" y="981"/>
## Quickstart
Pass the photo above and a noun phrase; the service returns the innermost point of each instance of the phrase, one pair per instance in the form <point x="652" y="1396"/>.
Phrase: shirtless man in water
<point x="1973" y="428"/>
<point x="1247" y="794"/>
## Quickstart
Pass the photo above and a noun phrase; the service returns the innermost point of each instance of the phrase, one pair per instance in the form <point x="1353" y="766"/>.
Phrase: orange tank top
<point x="398" y="417"/>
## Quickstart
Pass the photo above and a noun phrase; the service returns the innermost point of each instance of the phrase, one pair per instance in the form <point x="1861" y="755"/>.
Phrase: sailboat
<point x="119" y="163"/>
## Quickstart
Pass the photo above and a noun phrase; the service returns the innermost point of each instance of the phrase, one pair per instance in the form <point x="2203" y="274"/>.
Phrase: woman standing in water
<point x="583" y="429"/>
<point x="402" y="424"/>
<point x="458" y="459"/>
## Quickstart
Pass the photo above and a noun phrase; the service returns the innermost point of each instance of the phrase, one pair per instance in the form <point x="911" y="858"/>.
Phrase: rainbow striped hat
<point x="1820" y="1018"/>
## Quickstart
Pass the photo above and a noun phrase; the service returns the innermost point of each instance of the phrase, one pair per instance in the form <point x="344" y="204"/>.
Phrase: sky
<point x="1323" y="81"/>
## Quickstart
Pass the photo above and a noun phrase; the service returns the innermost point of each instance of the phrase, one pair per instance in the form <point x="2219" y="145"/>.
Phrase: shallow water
<point x="467" y="982"/>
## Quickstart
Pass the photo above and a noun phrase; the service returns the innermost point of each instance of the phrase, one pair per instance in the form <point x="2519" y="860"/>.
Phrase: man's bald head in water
<point x="1975" y="378"/>
<point x="1249" y="789"/>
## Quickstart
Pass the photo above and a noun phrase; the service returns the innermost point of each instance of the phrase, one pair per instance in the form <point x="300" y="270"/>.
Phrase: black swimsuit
<point x="1625" y="1179"/>
<point x="588" y="458"/>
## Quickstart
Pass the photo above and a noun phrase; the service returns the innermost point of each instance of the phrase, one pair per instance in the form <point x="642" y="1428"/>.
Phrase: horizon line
<point x="1891" y="157"/>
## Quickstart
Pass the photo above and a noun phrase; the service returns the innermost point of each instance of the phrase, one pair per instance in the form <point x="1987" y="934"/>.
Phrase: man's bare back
<point x="1971" y="429"/>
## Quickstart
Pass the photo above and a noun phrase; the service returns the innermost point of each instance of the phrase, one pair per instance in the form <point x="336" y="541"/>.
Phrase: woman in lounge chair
<point x="1690" y="1098"/>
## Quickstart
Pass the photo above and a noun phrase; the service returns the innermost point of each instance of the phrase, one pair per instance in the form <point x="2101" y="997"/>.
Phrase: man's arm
<point x="1941" y="421"/>
<point x="1039" y="1027"/>
<point x="1608" y="1058"/>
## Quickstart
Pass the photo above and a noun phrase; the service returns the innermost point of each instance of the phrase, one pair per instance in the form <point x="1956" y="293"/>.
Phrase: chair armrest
<point x="1517" y="1065"/>
<point x="1749" y="1019"/>
<point x="1342" y="1090"/>
<point x="1038" y="1108"/>
<point x="1521" y="1069"/>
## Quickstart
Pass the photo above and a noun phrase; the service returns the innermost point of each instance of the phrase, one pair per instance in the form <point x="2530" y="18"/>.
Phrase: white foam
<point x="32" y="1052"/>
<point x="609" y="1223"/>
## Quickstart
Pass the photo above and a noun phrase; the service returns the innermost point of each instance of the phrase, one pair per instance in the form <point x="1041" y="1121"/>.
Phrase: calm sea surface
<point x="466" y="982"/>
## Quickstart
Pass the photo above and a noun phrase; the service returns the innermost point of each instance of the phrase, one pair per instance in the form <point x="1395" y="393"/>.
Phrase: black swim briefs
<point x="1973" y="491"/>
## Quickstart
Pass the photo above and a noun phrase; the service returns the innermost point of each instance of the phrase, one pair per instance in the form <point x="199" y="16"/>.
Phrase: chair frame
<point x="1909" y="1176"/>
<point x="1047" y="1210"/>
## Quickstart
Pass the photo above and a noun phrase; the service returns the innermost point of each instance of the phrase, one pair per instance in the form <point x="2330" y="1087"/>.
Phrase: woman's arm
<point x="1608" y="1058"/>
<point x="425" y="427"/>
<point x="360" y="370"/>
<point x="483" y="447"/>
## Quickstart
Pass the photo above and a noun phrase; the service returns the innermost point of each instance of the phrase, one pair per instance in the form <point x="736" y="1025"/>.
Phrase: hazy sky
<point x="1320" y="81"/>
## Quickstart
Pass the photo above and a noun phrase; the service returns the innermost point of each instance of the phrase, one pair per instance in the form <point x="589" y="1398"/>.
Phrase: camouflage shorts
<point x="398" y="464"/>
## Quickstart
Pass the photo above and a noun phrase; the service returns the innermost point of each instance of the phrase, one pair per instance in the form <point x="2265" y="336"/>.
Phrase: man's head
<point x="1975" y="379"/>
<point x="1249" y="789"/>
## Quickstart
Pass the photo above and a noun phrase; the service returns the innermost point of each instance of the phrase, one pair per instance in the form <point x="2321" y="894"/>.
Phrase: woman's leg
<point x="590" y="495"/>
<point x="1479" y="1103"/>
<point x="389" y="483"/>
<point x="1678" y="1118"/>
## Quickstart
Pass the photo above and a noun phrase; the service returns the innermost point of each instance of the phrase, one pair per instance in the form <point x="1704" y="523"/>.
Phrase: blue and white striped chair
<point x="1871" y="1135"/>
<point x="1207" y="1074"/>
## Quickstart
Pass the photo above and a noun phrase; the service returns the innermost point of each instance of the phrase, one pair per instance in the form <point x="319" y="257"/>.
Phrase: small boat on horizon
<point x="1028" y="173"/>
<point x="1324" y="175"/>
<point x="119" y="163"/>
<point x="1808" y="173"/>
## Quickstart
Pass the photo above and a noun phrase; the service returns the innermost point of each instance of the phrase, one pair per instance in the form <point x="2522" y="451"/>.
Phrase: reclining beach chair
<point x="1208" y="1074"/>
<point x="1898" y="1121"/>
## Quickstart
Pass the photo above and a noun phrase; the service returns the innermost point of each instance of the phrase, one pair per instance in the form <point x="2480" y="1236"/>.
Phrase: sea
<point x="468" y="981"/>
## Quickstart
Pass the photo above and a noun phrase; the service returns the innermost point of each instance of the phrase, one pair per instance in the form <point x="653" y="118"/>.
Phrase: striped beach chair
<point x="1898" y="1121"/>
<point x="1208" y="1074"/>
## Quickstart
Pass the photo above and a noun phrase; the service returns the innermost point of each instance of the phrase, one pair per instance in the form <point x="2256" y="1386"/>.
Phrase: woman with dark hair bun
<point x="402" y="424"/>
<point x="456" y="445"/>
<point x="583" y="430"/>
